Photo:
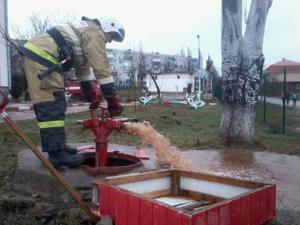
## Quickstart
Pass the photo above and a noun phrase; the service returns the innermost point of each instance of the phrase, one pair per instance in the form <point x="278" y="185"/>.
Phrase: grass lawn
<point x="185" y="127"/>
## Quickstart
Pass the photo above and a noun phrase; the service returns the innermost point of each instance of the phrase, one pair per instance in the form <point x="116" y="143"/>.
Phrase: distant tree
<point x="38" y="23"/>
<point x="142" y="73"/>
<point x="189" y="64"/>
<point x="211" y="73"/>
<point x="242" y="62"/>
<point x="18" y="79"/>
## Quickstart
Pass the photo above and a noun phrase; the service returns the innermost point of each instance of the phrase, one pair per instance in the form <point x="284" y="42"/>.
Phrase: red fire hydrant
<point x="101" y="127"/>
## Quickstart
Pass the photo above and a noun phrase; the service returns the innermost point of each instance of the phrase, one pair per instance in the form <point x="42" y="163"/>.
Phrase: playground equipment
<point x="195" y="100"/>
<point x="148" y="100"/>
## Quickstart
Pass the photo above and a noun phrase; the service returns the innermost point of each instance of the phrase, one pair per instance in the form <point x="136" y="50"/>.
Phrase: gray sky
<point x="167" y="26"/>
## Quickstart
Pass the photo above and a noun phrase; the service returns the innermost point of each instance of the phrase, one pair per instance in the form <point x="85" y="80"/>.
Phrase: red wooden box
<point x="176" y="197"/>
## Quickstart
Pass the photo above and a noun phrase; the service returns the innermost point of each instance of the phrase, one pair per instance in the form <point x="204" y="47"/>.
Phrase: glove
<point x="91" y="92"/>
<point x="94" y="98"/>
<point x="113" y="102"/>
<point x="113" y="106"/>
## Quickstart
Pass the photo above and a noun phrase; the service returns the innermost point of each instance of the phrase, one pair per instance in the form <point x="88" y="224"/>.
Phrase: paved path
<point x="278" y="101"/>
<point x="24" y="111"/>
<point x="29" y="114"/>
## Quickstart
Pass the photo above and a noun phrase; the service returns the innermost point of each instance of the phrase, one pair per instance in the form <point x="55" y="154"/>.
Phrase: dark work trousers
<point x="51" y="118"/>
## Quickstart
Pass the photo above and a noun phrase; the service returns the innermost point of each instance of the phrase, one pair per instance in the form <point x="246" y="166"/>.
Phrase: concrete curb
<point x="29" y="107"/>
<point x="19" y="108"/>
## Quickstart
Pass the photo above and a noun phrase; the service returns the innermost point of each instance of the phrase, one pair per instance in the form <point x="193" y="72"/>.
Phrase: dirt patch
<point x="21" y="210"/>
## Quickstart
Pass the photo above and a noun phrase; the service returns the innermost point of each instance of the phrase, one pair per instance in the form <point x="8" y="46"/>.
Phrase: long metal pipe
<point x="49" y="166"/>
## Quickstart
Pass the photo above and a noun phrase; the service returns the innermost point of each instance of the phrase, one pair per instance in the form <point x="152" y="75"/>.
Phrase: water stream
<point x="165" y="153"/>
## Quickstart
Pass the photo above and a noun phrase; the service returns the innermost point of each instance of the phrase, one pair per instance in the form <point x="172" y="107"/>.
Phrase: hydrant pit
<point x="116" y="163"/>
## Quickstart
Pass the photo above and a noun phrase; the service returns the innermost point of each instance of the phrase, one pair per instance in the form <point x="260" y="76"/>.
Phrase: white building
<point x="170" y="82"/>
<point x="4" y="49"/>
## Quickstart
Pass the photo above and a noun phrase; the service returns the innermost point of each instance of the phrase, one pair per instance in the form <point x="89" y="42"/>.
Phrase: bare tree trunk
<point x="241" y="63"/>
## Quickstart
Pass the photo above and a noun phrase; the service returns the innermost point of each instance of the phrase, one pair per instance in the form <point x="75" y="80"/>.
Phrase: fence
<point x="278" y="104"/>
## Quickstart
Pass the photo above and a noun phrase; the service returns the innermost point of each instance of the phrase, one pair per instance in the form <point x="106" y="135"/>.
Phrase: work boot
<point x="70" y="150"/>
<point x="62" y="158"/>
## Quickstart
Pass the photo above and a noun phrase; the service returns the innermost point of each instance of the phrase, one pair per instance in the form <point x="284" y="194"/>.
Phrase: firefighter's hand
<point x="93" y="96"/>
<point x="114" y="107"/>
<point x="91" y="93"/>
<point x="94" y="100"/>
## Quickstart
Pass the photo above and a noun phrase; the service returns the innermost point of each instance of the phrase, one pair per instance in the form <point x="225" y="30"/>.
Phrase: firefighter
<point x="80" y="46"/>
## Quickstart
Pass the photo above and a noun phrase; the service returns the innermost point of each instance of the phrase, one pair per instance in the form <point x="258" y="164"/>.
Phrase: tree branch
<point x="253" y="40"/>
<point x="231" y="34"/>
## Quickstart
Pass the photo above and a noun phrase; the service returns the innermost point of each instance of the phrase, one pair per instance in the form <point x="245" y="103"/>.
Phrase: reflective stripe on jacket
<point x="40" y="52"/>
<point x="89" y="45"/>
<point x="37" y="54"/>
<point x="51" y="124"/>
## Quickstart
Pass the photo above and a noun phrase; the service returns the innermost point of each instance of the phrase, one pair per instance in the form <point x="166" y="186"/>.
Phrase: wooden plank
<point x="134" y="178"/>
<point x="122" y="208"/>
<point x="263" y="195"/>
<point x="235" y="213"/>
<point x="173" y="217"/>
<point x="225" y="214"/>
<point x="146" y="214"/>
<point x="162" y="173"/>
<point x="104" y="199"/>
<point x="187" y="205"/>
<point x="193" y="208"/>
<point x="222" y="180"/>
<point x="156" y="194"/>
<point x="254" y="207"/>
<point x="176" y="201"/>
<point x="113" y="192"/>
<point x="271" y="202"/>
<point x="199" y="219"/>
<point x="175" y="183"/>
<point x="133" y="210"/>
<point x="159" y="214"/>
<point x="245" y="209"/>
<point x="186" y="219"/>
<point x="200" y="196"/>
<point x="213" y="216"/>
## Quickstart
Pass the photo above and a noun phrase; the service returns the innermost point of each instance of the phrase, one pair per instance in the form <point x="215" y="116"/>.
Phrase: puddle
<point x="284" y="170"/>
<point x="234" y="163"/>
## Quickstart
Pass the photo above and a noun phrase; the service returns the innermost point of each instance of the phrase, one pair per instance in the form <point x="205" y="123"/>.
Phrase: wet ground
<point x="257" y="166"/>
<point x="283" y="170"/>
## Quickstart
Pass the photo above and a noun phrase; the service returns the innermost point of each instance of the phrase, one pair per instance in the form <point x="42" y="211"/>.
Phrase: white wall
<point x="169" y="82"/>
<point x="4" y="51"/>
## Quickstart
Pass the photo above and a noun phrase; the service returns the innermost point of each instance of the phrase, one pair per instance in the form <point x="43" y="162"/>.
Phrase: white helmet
<point x="111" y="25"/>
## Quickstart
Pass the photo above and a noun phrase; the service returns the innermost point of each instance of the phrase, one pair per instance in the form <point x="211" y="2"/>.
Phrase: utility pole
<point x="5" y="76"/>
<point x="283" y="100"/>
<point x="199" y="54"/>
<point x="200" y="64"/>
